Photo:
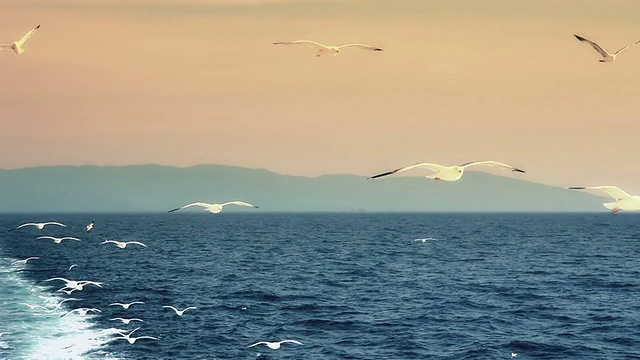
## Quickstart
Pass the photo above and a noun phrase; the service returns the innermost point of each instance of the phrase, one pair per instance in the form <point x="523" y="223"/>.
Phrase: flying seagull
<point x="89" y="227"/>
<point x="40" y="226"/>
<point x="17" y="45"/>
<point x="180" y="312"/>
<point x="624" y="201"/>
<point x="58" y="240"/>
<point x="275" y="345"/>
<point x="214" y="208"/>
<point x="123" y="244"/>
<point x="606" y="57"/>
<point x="25" y="260"/>
<point x="72" y="266"/>
<point x="327" y="50"/>
<point x="448" y="173"/>
<point x="132" y="340"/>
<point x="126" y="321"/>
<point x="513" y="355"/>
<point x="126" y="306"/>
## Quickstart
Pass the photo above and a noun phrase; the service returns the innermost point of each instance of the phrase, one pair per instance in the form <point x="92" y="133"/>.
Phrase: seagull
<point x="624" y="201"/>
<point x="606" y="57"/>
<point x="126" y="306"/>
<point x="448" y="173"/>
<point x="180" y="312"/>
<point x="72" y="266"/>
<point x="327" y="50"/>
<point x="127" y="321"/>
<point x="40" y="226"/>
<point x="132" y="340"/>
<point x="89" y="227"/>
<point x="17" y="45"/>
<point x="513" y="355"/>
<point x="33" y="307"/>
<point x="425" y="239"/>
<point x="25" y="260"/>
<point x="123" y="244"/>
<point x="275" y="345"/>
<point x="58" y="240"/>
<point x="214" y="208"/>
<point x="81" y="311"/>
<point x="73" y="284"/>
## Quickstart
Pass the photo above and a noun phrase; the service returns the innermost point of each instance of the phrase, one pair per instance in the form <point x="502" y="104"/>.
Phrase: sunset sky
<point x="187" y="82"/>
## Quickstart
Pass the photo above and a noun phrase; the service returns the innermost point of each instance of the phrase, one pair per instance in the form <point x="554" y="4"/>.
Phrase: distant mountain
<point x="155" y="188"/>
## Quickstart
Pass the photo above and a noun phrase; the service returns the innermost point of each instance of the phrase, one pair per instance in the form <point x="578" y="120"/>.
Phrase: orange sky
<point x="191" y="82"/>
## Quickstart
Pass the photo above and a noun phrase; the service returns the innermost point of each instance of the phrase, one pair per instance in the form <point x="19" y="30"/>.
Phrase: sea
<point x="346" y="286"/>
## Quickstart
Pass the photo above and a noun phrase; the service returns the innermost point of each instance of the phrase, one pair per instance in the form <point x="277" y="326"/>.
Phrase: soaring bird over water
<point x="275" y="345"/>
<point x="16" y="46"/>
<point x="40" y="226"/>
<point x="448" y="173"/>
<point x="328" y="50"/>
<point x="214" y="208"/>
<point x="606" y="57"/>
<point x="624" y="201"/>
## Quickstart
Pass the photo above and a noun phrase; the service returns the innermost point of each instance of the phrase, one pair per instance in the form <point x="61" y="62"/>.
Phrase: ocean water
<point x="348" y="286"/>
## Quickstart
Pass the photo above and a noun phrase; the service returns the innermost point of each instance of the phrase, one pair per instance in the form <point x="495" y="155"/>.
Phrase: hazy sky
<point x="182" y="83"/>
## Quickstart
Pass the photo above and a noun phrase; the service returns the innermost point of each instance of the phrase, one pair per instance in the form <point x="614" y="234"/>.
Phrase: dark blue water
<point x="348" y="286"/>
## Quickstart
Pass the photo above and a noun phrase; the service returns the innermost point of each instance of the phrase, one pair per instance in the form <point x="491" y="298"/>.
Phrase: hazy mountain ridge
<point x="155" y="188"/>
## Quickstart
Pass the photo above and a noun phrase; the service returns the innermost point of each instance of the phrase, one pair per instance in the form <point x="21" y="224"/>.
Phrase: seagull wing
<point x="492" y="164"/>
<point x="313" y="44"/>
<point x="6" y="46"/>
<point x="190" y="308"/>
<point x="626" y="47"/>
<point x="27" y="35"/>
<point x="46" y="237"/>
<point x="170" y="307"/>
<point x="432" y="167"/>
<point x="204" y="205"/>
<point x="70" y="238"/>
<point x="55" y="223"/>
<point x="136" y="243"/>
<point x="26" y="224"/>
<point x="613" y="191"/>
<point x="239" y="203"/>
<point x="360" y="46"/>
<point x="291" y="341"/>
<point x="598" y="48"/>
<point x="258" y="343"/>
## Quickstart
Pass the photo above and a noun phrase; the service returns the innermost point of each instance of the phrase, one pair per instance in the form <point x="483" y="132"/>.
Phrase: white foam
<point x="40" y="334"/>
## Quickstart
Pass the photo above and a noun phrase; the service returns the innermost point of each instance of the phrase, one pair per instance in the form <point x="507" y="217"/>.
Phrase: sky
<point x="187" y="82"/>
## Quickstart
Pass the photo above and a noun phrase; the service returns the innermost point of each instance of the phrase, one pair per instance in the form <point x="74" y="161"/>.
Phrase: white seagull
<point x="126" y="306"/>
<point x="425" y="239"/>
<point x="126" y="321"/>
<point x="40" y="226"/>
<point x="58" y="240"/>
<point x="25" y="260"/>
<point x="275" y="345"/>
<point x="81" y="311"/>
<point x="448" y="173"/>
<point x="606" y="57"/>
<point x="327" y="50"/>
<point x="72" y="266"/>
<point x="89" y="227"/>
<point x="74" y="285"/>
<point x="17" y="45"/>
<point x="33" y="307"/>
<point x="214" y="208"/>
<point x="513" y="355"/>
<point x="180" y="312"/>
<point x="624" y="201"/>
<point x="123" y="244"/>
<point x="133" y="340"/>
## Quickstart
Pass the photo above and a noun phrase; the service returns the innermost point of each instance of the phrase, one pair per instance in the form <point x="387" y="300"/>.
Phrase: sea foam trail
<point x="43" y="334"/>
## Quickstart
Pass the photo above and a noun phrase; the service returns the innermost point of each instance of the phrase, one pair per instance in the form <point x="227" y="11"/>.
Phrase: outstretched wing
<point x="613" y="191"/>
<point x="313" y="44"/>
<point x="27" y="35"/>
<point x="492" y="164"/>
<point x="204" y="205"/>
<point x="360" y="46"/>
<point x="239" y="203"/>
<point x="432" y="167"/>
<point x="626" y="47"/>
<point x="136" y="243"/>
<point x="596" y="46"/>
<point x="258" y="343"/>
<point x="291" y="341"/>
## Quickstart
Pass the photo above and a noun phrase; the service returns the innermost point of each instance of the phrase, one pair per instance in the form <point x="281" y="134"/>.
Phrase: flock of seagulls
<point x="623" y="200"/>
